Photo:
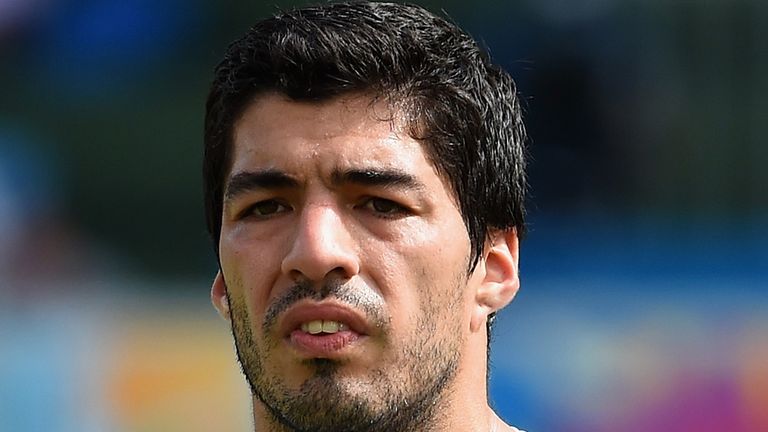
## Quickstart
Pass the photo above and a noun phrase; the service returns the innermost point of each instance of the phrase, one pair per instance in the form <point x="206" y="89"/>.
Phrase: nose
<point x="322" y="245"/>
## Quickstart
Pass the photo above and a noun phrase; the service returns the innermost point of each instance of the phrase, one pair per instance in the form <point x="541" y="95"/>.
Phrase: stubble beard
<point x="402" y="397"/>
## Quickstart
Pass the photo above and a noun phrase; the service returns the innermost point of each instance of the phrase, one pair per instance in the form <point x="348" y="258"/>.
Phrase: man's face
<point x="344" y="260"/>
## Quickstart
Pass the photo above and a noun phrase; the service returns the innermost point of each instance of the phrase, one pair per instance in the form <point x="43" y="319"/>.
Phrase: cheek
<point x="248" y="276"/>
<point x="439" y="270"/>
<point x="418" y="276"/>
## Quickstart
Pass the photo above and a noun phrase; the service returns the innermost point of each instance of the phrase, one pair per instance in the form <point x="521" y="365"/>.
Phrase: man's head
<point x="364" y="184"/>
<point x="459" y="105"/>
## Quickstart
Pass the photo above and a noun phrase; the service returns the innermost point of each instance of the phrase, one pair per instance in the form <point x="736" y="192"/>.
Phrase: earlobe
<point x="219" y="296"/>
<point x="500" y="280"/>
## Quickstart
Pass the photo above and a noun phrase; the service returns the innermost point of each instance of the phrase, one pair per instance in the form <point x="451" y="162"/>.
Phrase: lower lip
<point x="322" y="345"/>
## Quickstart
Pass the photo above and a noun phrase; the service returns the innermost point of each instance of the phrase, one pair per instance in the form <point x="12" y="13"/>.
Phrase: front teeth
<point x="323" y="326"/>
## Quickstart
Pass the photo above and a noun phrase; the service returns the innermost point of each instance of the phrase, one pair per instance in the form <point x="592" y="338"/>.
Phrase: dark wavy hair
<point x="461" y="107"/>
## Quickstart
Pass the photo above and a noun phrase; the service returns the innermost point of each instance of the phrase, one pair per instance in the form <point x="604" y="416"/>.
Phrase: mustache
<point x="363" y="299"/>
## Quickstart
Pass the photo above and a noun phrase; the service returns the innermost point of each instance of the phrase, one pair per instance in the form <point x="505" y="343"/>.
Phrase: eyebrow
<point x="246" y="181"/>
<point x="377" y="177"/>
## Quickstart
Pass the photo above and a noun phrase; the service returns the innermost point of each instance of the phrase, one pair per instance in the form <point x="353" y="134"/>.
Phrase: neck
<point x="466" y="408"/>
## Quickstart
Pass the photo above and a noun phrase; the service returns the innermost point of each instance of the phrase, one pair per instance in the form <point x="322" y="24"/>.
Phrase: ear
<point x="500" y="278"/>
<point x="219" y="296"/>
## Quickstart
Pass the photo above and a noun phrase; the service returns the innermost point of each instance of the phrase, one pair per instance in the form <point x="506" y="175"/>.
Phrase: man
<point x="364" y="184"/>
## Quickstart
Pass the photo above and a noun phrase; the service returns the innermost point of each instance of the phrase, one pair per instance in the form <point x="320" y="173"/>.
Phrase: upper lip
<point x="306" y="311"/>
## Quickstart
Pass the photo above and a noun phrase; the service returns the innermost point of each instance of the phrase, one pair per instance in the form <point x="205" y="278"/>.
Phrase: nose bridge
<point x="322" y="244"/>
<point x="321" y="224"/>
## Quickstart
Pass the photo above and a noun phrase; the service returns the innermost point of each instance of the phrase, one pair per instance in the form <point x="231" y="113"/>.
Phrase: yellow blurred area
<point x="175" y="374"/>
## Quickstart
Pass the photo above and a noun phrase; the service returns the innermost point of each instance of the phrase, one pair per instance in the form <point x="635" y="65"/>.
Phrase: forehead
<point x="275" y="132"/>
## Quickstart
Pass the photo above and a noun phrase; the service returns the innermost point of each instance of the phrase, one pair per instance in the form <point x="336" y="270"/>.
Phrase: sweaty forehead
<point x="275" y="132"/>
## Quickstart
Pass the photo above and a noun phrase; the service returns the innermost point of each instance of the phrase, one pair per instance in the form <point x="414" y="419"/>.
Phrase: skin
<point x="389" y="247"/>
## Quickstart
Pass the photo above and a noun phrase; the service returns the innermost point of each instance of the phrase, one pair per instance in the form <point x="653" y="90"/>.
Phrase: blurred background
<point x="644" y="302"/>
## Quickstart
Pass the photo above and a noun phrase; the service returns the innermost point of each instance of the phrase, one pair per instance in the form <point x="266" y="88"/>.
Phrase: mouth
<point x="324" y="327"/>
<point x="323" y="330"/>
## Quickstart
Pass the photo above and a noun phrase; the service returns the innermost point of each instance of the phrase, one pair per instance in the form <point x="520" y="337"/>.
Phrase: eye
<point x="384" y="207"/>
<point x="264" y="209"/>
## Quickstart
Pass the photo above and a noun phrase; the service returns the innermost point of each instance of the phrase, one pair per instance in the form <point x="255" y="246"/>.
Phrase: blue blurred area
<point x="28" y="175"/>
<point x="89" y="47"/>
<point x="643" y="247"/>
<point x="644" y="274"/>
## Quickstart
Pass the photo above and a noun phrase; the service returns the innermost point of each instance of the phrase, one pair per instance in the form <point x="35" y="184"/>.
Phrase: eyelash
<point x="394" y="210"/>
<point x="251" y="210"/>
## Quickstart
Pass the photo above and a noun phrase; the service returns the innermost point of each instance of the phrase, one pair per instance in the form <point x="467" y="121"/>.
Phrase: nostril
<point x="340" y="272"/>
<point x="296" y="276"/>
